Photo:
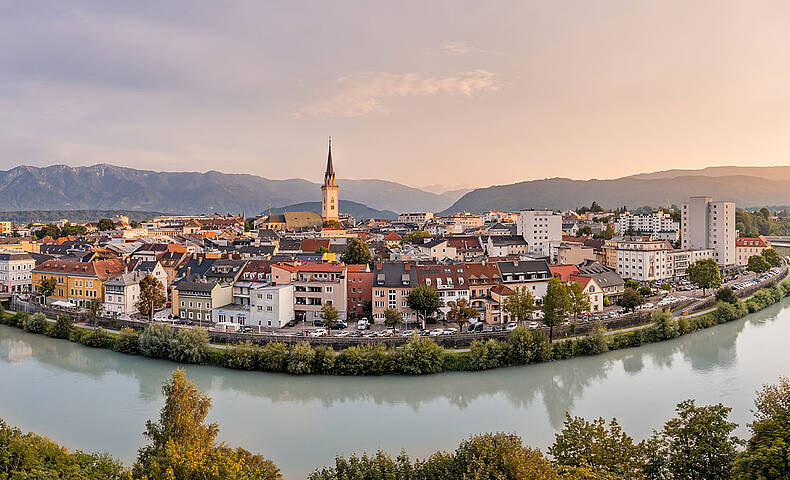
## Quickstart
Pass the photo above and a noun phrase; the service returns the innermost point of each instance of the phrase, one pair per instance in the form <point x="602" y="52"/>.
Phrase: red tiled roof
<point x="394" y="237"/>
<point x="102" y="269"/>
<point x="580" y="279"/>
<point x="563" y="271"/>
<point x="500" y="289"/>
<point x="313" y="244"/>
<point x="759" y="241"/>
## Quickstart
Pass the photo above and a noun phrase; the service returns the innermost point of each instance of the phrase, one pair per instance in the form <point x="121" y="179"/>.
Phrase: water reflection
<point x="558" y="385"/>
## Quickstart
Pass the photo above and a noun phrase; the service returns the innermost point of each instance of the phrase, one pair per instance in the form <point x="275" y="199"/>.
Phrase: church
<point x="330" y="206"/>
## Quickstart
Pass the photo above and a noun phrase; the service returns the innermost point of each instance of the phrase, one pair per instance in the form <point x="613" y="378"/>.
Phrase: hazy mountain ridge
<point x="564" y="193"/>
<point x="355" y="209"/>
<point x="110" y="187"/>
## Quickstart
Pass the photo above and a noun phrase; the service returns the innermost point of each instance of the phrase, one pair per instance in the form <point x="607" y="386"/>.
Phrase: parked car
<point x="319" y="332"/>
<point x="533" y="325"/>
<point x="511" y="326"/>
<point x="363" y="324"/>
<point x="436" y="332"/>
<point x="450" y="331"/>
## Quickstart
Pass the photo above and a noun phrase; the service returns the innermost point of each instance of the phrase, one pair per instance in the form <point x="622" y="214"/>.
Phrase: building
<point x="16" y="269"/>
<point x="572" y="253"/>
<point x="271" y="306"/>
<point x="417" y="218"/>
<point x="540" y="228"/>
<point x="315" y="285"/>
<point x="648" y="223"/>
<point x="197" y="299"/>
<point x="644" y="260"/>
<point x="437" y="249"/>
<point x="504" y="245"/>
<point x="5" y="228"/>
<point x="330" y="196"/>
<point x="360" y="285"/>
<point x="121" y="293"/>
<point x="392" y="240"/>
<point x="392" y="283"/>
<point x="532" y="274"/>
<point x="78" y="282"/>
<point x="708" y="224"/>
<point x="449" y="280"/>
<point x="610" y="282"/>
<point x="745" y="247"/>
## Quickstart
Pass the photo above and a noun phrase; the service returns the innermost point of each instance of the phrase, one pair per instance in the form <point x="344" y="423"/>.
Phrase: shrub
<point x="362" y="360"/>
<point x="97" y="338"/>
<point x="61" y="328"/>
<point x="241" y="356"/>
<point x="684" y="325"/>
<point x="127" y="342"/>
<point x="189" y="345"/>
<point x="324" y="359"/>
<point x="595" y="342"/>
<point x="34" y="323"/>
<point x="563" y="350"/>
<point x="725" y="294"/>
<point x="272" y="357"/>
<point x="18" y="319"/>
<point x="300" y="359"/>
<point x="725" y="312"/>
<point x="478" y="355"/>
<point x="528" y="346"/>
<point x="76" y="334"/>
<point x="155" y="340"/>
<point x="665" y="326"/>
<point x="421" y="355"/>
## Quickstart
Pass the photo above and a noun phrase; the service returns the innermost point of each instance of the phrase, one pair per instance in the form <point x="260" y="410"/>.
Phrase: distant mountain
<point x="563" y="193"/>
<point x="109" y="187"/>
<point x="356" y="210"/>
<point x="771" y="173"/>
<point x="74" y="216"/>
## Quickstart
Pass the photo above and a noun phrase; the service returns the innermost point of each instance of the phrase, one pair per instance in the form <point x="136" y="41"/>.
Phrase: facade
<point x="78" y="282"/>
<point x="540" y="228"/>
<point x="648" y="223"/>
<point x="437" y="249"/>
<point x="392" y="283"/>
<point x="271" y="306"/>
<point x="745" y="247"/>
<point x="449" y="280"/>
<point x="572" y="253"/>
<point x="197" y="299"/>
<point x="418" y="218"/>
<point x="16" y="269"/>
<point x="532" y="274"/>
<point x="708" y="224"/>
<point x="315" y="285"/>
<point x="330" y="195"/>
<point x="504" y="245"/>
<point x="644" y="261"/>
<point x="122" y="293"/>
<point x="360" y="284"/>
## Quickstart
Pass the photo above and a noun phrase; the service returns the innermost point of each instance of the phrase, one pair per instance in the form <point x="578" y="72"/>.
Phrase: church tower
<point x="330" y="199"/>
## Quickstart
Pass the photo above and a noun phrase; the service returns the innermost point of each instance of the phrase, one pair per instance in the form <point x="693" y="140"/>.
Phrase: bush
<point x="665" y="326"/>
<point x="34" y="323"/>
<point x="272" y="357"/>
<point x="127" y="342"/>
<point x="645" y="291"/>
<point x="76" y="334"/>
<point x="241" y="356"/>
<point x="18" y="319"/>
<point x="61" y="328"/>
<point x="363" y="360"/>
<point x="491" y="354"/>
<point x="324" y="359"/>
<point x="97" y="338"/>
<point x="726" y="312"/>
<point x="190" y="345"/>
<point x="528" y="346"/>
<point x="595" y="342"/>
<point x="155" y="340"/>
<point x="725" y="294"/>
<point x="684" y="325"/>
<point x="300" y="359"/>
<point x="420" y="356"/>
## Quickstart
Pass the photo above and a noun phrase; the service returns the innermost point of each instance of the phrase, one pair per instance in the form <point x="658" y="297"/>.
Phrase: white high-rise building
<point x="540" y="228"/>
<point x="708" y="224"/>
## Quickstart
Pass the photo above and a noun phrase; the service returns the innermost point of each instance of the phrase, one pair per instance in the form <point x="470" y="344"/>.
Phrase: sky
<point x="446" y="94"/>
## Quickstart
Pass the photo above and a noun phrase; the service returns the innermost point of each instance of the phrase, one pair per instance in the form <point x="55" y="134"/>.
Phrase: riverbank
<point x="419" y="356"/>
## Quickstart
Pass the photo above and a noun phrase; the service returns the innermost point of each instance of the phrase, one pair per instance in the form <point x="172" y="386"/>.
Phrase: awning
<point x="62" y="303"/>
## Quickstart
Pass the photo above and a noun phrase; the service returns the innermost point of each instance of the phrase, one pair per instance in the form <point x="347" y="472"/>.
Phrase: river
<point x="98" y="400"/>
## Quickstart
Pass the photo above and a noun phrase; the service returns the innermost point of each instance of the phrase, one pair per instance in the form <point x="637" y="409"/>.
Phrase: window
<point x="328" y="289"/>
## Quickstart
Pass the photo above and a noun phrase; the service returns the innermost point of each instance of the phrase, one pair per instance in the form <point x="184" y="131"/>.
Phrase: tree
<point x="249" y="224"/>
<point x="758" y="264"/>
<point x="106" y="224"/>
<point x="93" y="307"/>
<point x="392" y="318"/>
<point x="190" y="345"/>
<point x="356" y="253"/>
<point x="767" y="453"/>
<point x="704" y="274"/>
<point x="632" y="284"/>
<point x="332" y="224"/>
<point x="47" y="287"/>
<point x="606" y="448"/>
<point x="579" y="299"/>
<point x="460" y="312"/>
<point x="725" y="294"/>
<point x="424" y="300"/>
<point x="773" y="257"/>
<point x="631" y="299"/>
<point x="330" y="316"/>
<point x="584" y="231"/>
<point x="695" y="444"/>
<point x="606" y="234"/>
<point x="152" y="296"/>
<point x="156" y="339"/>
<point x="322" y="250"/>
<point x="595" y="208"/>
<point x="183" y="446"/>
<point x="556" y="304"/>
<point x="415" y="236"/>
<point x="520" y="304"/>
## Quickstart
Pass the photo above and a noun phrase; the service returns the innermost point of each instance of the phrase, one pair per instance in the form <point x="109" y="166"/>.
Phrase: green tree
<point x="424" y="300"/>
<point x="152" y="296"/>
<point x="704" y="274"/>
<point x="332" y="224"/>
<point x="595" y="208"/>
<point x="696" y="444"/>
<point x="421" y="356"/>
<point x="606" y="448"/>
<point x="415" y="236"/>
<point x="356" y="253"/>
<point x="190" y="345"/>
<point x="520" y="304"/>
<point x="47" y="287"/>
<point x="556" y="305"/>
<point x="156" y="339"/>
<point x="758" y="264"/>
<point x="773" y="257"/>
<point x="93" y="307"/>
<point x="322" y="250"/>
<point x="632" y="284"/>
<point x="35" y="323"/>
<point x="584" y="231"/>
<point x="106" y="224"/>
<point x="62" y="327"/>
<point x="725" y="294"/>
<point x="392" y="318"/>
<point x="631" y="299"/>
<point x="460" y="312"/>
<point x="767" y="453"/>
<point x="579" y="299"/>
<point x="330" y="316"/>
<point x="249" y="224"/>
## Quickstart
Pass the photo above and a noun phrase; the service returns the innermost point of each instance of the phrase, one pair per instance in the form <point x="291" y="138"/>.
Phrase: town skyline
<point x="532" y="90"/>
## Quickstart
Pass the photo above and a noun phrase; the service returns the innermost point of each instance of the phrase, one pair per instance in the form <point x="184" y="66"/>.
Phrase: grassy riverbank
<point x="419" y="356"/>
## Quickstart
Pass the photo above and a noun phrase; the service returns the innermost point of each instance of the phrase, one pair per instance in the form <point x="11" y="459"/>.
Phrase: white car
<point x="319" y="332"/>
<point x="511" y="326"/>
<point x="436" y="332"/>
<point x="450" y="331"/>
<point x="533" y="325"/>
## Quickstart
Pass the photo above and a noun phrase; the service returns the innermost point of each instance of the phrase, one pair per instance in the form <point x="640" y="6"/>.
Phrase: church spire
<point x="329" y="175"/>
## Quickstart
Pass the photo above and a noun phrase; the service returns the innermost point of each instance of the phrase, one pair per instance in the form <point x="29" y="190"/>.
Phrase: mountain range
<point x="111" y="187"/>
<point x="748" y="186"/>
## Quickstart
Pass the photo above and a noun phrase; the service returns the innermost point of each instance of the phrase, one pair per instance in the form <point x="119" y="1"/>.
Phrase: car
<point x="184" y="321"/>
<point x="648" y="305"/>
<point x="343" y="334"/>
<point x="511" y="326"/>
<point x="318" y="322"/>
<point x="245" y="329"/>
<point x="450" y="331"/>
<point x="533" y="325"/>
<point x="363" y="324"/>
<point x="436" y="332"/>
<point x="488" y="328"/>
<point x="318" y="332"/>
<point x="406" y="333"/>
<point x="342" y="324"/>
<point x="498" y="328"/>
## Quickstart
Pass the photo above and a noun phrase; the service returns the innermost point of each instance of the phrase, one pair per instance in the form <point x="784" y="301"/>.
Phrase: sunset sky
<point x="451" y="93"/>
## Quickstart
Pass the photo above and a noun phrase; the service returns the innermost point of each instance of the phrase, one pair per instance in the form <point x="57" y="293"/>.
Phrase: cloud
<point x="362" y="93"/>
<point x="457" y="48"/>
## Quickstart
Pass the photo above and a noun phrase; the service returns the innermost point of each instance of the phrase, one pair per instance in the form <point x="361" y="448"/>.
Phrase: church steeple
<point x="329" y="175"/>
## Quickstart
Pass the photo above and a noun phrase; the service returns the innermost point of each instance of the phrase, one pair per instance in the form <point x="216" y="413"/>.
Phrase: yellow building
<point x="77" y="282"/>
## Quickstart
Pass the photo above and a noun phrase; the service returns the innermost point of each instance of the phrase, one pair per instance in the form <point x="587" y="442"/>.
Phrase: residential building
<point x="572" y="253"/>
<point x="121" y="293"/>
<point x="315" y="285"/>
<point x="540" y="228"/>
<point x="196" y="299"/>
<point x="78" y="282"/>
<point x="708" y="224"/>
<point x="449" y="280"/>
<point x="504" y="245"/>
<point x="607" y="278"/>
<point x="360" y="285"/>
<point x="272" y="306"/>
<point x="417" y="218"/>
<point x="392" y="240"/>
<point x="392" y="283"/>
<point x="532" y="274"/>
<point x="437" y="249"/>
<point x="644" y="260"/>
<point x="647" y="223"/>
<point x="467" y="248"/>
<point x="16" y="269"/>
<point x="745" y="247"/>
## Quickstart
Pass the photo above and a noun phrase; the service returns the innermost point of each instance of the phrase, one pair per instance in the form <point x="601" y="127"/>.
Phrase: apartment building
<point x="540" y="228"/>
<point x="271" y="306"/>
<point x="16" y="269"/>
<point x="532" y="274"/>
<point x="644" y="260"/>
<point x="77" y="282"/>
<point x="648" y="223"/>
<point x="418" y="218"/>
<point x="708" y="224"/>
<point x="121" y="293"/>
<point x="449" y="280"/>
<point x="392" y="283"/>
<point x="360" y="284"/>
<point x="315" y="285"/>
<point x="745" y="247"/>
<point x="197" y="299"/>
